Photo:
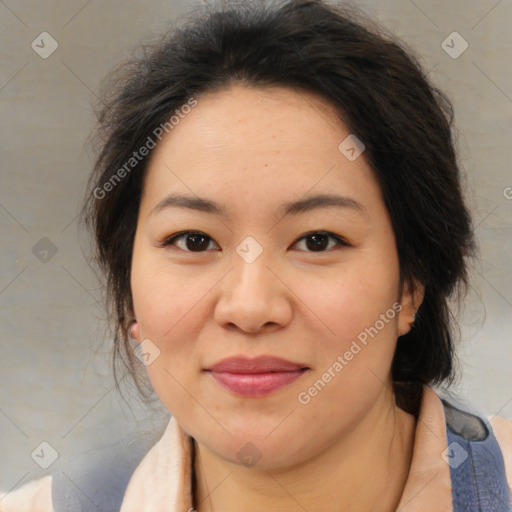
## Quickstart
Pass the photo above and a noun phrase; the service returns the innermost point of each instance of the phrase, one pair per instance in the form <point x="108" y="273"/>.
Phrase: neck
<point x="364" y="469"/>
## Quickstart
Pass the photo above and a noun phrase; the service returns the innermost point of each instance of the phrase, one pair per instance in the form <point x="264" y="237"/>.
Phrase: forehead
<point x="260" y="118"/>
<point x="264" y="142"/>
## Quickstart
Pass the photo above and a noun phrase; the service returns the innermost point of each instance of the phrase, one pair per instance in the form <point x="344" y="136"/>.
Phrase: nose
<point x="253" y="298"/>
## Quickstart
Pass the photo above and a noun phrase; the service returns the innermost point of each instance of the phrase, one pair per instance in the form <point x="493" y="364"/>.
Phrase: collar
<point x="164" y="476"/>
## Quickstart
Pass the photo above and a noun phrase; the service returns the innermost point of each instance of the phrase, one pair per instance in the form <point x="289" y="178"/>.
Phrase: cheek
<point x="172" y="317"/>
<point x="353" y="357"/>
<point x="169" y="310"/>
<point x="350" y="300"/>
<point x="166" y="296"/>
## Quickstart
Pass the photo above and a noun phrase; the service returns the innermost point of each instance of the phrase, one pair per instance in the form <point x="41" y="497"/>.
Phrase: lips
<point x="255" y="377"/>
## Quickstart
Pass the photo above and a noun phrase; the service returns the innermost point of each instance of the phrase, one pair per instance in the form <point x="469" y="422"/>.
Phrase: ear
<point x="134" y="330"/>
<point x="412" y="297"/>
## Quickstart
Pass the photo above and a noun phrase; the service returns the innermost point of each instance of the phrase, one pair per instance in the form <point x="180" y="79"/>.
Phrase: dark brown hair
<point x="380" y="92"/>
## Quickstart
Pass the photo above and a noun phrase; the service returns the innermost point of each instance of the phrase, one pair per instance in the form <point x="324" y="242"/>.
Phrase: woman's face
<point x="316" y="285"/>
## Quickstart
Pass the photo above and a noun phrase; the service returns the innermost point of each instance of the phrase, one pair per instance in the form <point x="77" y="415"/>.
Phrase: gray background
<point x="56" y="383"/>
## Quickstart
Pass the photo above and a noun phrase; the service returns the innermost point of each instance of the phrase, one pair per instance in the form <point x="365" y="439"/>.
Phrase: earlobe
<point x="134" y="330"/>
<point x="412" y="298"/>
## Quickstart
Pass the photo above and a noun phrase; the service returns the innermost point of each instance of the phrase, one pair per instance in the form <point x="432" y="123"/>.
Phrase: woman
<point x="278" y="211"/>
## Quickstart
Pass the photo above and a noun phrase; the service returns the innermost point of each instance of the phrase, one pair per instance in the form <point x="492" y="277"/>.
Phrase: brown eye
<point x="319" y="241"/>
<point x="194" y="241"/>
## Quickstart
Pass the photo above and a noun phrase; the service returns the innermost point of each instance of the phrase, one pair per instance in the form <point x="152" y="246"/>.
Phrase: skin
<point x="252" y="150"/>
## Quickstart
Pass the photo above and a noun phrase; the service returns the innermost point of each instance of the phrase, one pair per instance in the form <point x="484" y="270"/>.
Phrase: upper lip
<point x="261" y="364"/>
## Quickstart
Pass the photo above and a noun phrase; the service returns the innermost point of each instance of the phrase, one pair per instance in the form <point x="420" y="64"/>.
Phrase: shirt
<point x="163" y="479"/>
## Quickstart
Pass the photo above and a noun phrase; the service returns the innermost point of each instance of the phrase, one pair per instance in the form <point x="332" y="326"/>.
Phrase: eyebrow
<point x="290" y="208"/>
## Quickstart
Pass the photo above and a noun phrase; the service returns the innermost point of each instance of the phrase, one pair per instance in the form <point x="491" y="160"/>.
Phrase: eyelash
<point x="169" y="241"/>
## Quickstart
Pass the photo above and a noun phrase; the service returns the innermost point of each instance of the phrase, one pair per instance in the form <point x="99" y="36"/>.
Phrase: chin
<point x="256" y="449"/>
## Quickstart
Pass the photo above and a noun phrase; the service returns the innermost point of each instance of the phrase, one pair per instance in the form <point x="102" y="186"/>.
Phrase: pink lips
<point x="255" y="377"/>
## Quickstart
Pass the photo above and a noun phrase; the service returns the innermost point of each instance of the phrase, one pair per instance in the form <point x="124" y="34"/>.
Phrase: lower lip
<point x="256" y="384"/>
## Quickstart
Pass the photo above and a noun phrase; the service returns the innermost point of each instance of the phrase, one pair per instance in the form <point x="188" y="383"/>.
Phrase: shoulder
<point x="503" y="432"/>
<point x="84" y="485"/>
<point x="484" y="440"/>
<point x="171" y="456"/>
<point x="33" y="496"/>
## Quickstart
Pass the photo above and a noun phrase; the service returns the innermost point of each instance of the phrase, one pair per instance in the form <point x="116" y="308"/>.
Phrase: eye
<point x="318" y="241"/>
<point x="196" y="241"/>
